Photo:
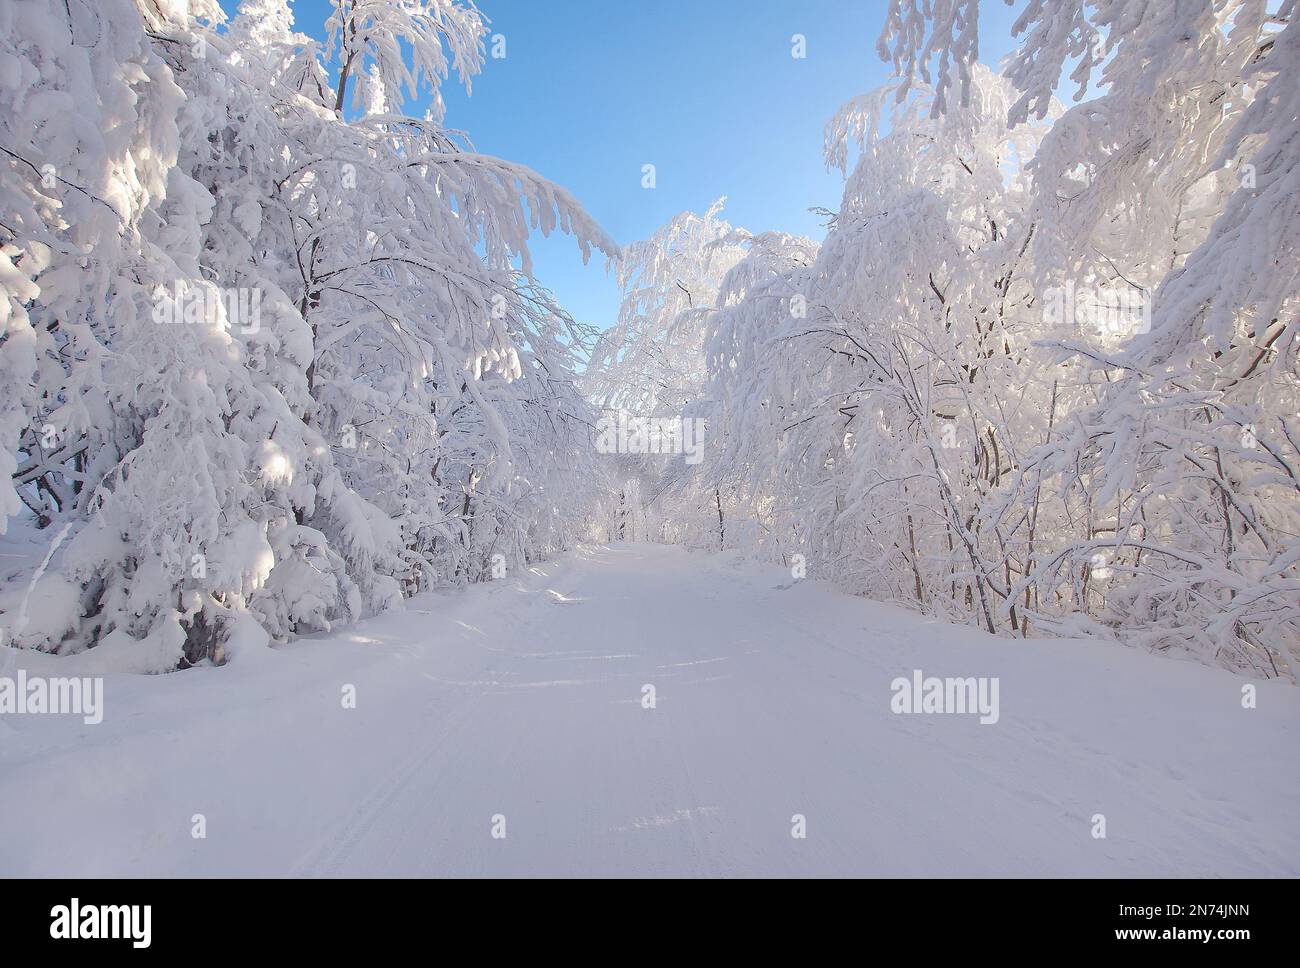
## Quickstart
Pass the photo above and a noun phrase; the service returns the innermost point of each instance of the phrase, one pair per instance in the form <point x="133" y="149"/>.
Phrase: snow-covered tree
<point x="651" y="363"/>
<point x="273" y="362"/>
<point x="1178" y="182"/>
<point x="1041" y="374"/>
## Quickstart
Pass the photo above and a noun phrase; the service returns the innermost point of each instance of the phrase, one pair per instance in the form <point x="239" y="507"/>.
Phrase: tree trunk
<point x="722" y="532"/>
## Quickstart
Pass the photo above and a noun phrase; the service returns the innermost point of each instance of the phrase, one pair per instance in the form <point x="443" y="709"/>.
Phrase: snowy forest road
<point x="509" y="731"/>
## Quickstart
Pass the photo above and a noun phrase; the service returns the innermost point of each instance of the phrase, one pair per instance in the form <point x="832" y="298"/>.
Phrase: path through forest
<point x="520" y="707"/>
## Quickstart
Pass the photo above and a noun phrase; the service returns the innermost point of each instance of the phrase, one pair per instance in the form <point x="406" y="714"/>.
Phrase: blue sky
<point x="705" y="90"/>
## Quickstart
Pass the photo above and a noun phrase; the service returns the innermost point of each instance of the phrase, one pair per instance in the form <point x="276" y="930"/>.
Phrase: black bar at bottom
<point x="340" y="917"/>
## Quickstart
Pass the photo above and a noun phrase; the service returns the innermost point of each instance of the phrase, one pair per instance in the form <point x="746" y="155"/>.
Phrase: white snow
<point x="772" y="699"/>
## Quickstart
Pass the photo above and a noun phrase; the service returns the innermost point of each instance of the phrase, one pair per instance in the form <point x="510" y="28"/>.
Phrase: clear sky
<point x="705" y="90"/>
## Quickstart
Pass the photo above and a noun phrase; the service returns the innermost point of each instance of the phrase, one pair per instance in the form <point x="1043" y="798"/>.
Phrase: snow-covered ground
<point x="522" y="700"/>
